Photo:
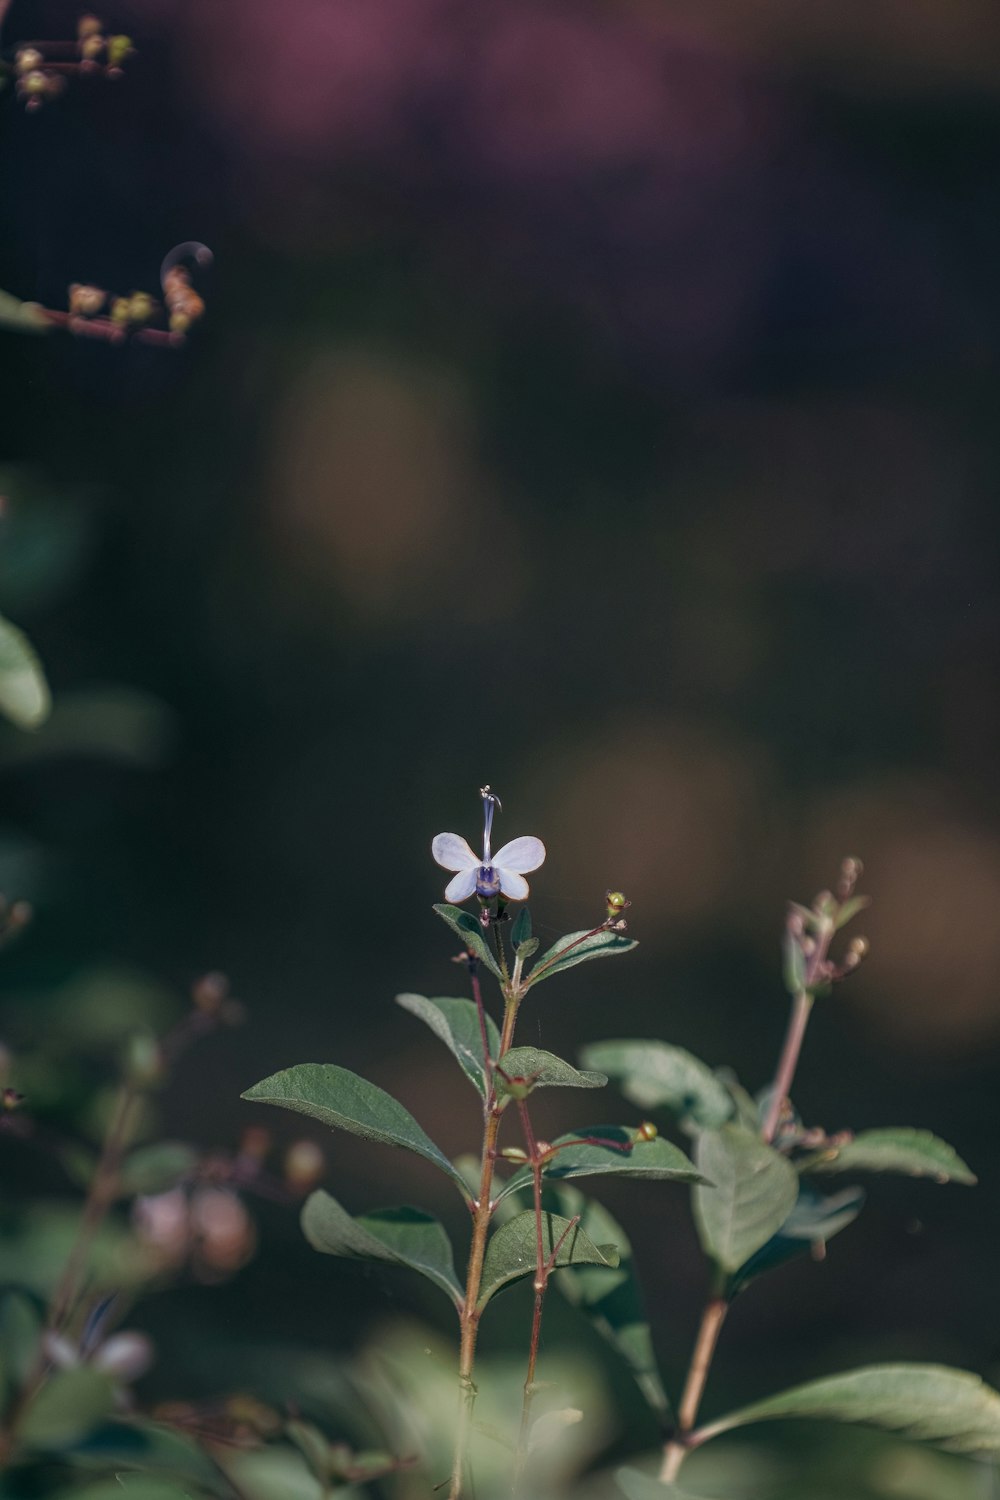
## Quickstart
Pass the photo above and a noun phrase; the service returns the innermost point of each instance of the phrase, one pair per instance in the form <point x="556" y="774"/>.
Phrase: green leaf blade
<point x="655" y="1075"/>
<point x="465" y="926"/>
<point x="399" y="1236"/>
<point x="512" y="1250"/>
<point x="577" y="948"/>
<point x="754" y="1192"/>
<point x="69" y="1406"/>
<point x="24" y="691"/>
<point x="612" y="1300"/>
<point x="602" y="1150"/>
<point x="915" y="1153"/>
<point x="548" y="1071"/>
<point x="341" y="1099"/>
<point x="456" y="1023"/>
<point x="952" y="1408"/>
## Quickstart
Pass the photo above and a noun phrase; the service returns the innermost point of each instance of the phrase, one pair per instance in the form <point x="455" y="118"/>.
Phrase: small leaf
<point x="465" y="925"/>
<point x="612" y="1300"/>
<point x="339" y="1098"/>
<point x="154" y="1169"/>
<point x="794" y="964"/>
<point x="654" y="1075"/>
<point x="916" y="1153"/>
<point x="520" y="931"/>
<point x="25" y="317"/>
<point x="753" y="1194"/>
<point x="576" y="948"/>
<point x="456" y="1023"/>
<point x="583" y="1153"/>
<point x="24" y="692"/>
<point x="850" y="908"/>
<point x="814" y="1220"/>
<point x="952" y="1408"/>
<point x="512" y="1251"/>
<point x="69" y="1405"/>
<point x="20" y="1331"/>
<point x="546" y="1070"/>
<point x="402" y="1236"/>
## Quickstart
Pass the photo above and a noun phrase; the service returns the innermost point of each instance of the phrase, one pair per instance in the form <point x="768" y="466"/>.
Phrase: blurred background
<point x="598" y="400"/>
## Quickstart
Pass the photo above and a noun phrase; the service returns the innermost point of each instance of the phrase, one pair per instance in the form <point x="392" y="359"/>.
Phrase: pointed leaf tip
<point x="952" y="1408"/>
<point x="339" y="1098"/>
<point x="400" y="1236"/>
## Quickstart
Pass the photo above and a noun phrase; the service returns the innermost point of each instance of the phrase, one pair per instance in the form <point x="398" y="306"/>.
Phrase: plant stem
<point x="541" y="1285"/>
<point x="469" y="1318"/>
<point x="100" y="1196"/>
<point x="788" y="1062"/>
<point x="712" y="1320"/>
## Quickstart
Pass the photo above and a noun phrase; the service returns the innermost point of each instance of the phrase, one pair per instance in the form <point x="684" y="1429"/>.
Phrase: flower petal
<point x="521" y="854"/>
<point x="462" y="885"/>
<point x="514" y="886"/>
<point x="453" y="853"/>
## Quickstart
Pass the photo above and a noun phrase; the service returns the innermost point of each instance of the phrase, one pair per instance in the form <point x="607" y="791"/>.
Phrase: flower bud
<point x="10" y="1100"/>
<point x="144" y="1060"/>
<point x="88" y="25"/>
<point x="255" y="1143"/>
<point x="304" y="1166"/>
<point x="209" y="992"/>
<point x="28" y="59"/>
<point x="125" y="1356"/>
<point x="857" y="949"/>
<point x="617" y="903"/>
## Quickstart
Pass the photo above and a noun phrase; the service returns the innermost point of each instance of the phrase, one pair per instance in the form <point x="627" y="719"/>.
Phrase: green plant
<point x="757" y="1173"/>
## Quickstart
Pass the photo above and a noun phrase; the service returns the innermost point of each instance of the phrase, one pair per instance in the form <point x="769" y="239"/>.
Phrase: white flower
<point x="493" y="874"/>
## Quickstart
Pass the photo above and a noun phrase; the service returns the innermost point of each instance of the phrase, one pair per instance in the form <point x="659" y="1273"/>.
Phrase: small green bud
<point x="617" y="903"/>
<point x="144" y="1061"/>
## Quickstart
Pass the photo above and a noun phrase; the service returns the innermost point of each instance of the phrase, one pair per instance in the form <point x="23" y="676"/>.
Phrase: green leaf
<point x="512" y="1250"/>
<point x="654" y="1075"/>
<point x="952" y="1408"/>
<point x="135" y="1443"/>
<point x="636" y="1486"/>
<point x="916" y="1153"/>
<point x="794" y="965"/>
<point x="814" y="1220"/>
<point x="456" y="1023"/>
<point x="576" y="948"/>
<point x="520" y="931"/>
<point x="849" y="909"/>
<point x="545" y="1070"/>
<point x="135" y="1486"/>
<point x="69" y="1406"/>
<point x="25" y="317"/>
<point x="466" y="927"/>
<point x="401" y="1236"/>
<point x="623" y="1154"/>
<point x="24" y="692"/>
<point x="341" y="1099"/>
<point x="154" y="1169"/>
<point x="612" y="1300"/>
<point x="754" y="1190"/>
<point x="20" y="1331"/>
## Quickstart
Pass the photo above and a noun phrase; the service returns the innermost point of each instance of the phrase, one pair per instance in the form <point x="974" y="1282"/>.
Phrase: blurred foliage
<point x="598" y="399"/>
